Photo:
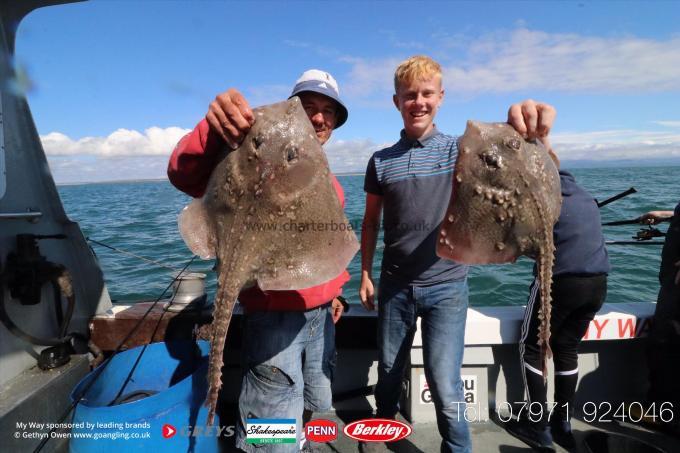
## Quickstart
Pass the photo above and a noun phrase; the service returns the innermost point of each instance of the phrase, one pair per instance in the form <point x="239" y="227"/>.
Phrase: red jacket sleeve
<point x="338" y="190"/>
<point x="193" y="160"/>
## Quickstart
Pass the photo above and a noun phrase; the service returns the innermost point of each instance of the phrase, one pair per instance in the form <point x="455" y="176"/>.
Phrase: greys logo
<point x="207" y="431"/>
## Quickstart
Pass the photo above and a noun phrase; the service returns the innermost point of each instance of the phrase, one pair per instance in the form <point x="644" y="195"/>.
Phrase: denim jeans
<point x="288" y="363"/>
<point x="442" y="308"/>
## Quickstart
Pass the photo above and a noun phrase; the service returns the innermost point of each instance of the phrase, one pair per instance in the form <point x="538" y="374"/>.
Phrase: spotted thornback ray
<point x="271" y="217"/>
<point x="505" y="200"/>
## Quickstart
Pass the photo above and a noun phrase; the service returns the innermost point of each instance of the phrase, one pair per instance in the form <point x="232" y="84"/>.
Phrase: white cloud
<point x="668" y="123"/>
<point x="350" y="156"/>
<point x="77" y="169"/>
<point x="370" y="78"/>
<point x="527" y="59"/>
<point x="123" y="155"/>
<point x="155" y="141"/>
<point x="126" y="154"/>
<point x="617" y="144"/>
<point x="523" y="59"/>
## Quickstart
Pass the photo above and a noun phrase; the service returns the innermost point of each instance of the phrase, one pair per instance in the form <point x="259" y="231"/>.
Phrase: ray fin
<point x="197" y="230"/>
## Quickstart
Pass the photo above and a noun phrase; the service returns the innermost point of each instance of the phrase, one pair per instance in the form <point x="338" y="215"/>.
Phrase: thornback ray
<point x="505" y="201"/>
<point x="271" y="217"/>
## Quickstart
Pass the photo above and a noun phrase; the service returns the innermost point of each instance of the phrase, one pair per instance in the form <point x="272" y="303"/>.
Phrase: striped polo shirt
<point x="415" y="178"/>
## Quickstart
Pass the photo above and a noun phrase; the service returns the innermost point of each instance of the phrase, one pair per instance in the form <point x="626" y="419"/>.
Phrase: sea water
<point x="141" y="218"/>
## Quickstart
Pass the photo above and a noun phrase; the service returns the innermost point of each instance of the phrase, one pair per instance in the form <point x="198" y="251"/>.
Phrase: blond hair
<point x="418" y="67"/>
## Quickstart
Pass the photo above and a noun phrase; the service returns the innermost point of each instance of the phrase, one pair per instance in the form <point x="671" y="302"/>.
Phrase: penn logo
<point x="321" y="430"/>
<point x="377" y="430"/>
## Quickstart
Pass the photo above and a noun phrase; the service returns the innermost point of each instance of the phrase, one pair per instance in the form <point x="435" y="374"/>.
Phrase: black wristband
<point x="344" y="303"/>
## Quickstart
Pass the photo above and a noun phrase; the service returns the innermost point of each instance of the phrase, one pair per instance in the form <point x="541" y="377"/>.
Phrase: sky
<point x="113" y="85"/>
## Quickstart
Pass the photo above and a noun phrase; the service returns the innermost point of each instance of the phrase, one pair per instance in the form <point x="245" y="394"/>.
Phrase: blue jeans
<point x="443" y="310"/>
<point x="288" y="364"/>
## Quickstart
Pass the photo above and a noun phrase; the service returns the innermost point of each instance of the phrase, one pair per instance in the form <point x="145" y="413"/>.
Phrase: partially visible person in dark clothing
<point x="578" y="292"/>
<point x="663" y="348"/>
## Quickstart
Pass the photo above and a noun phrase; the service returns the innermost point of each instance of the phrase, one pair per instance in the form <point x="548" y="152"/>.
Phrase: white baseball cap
<point x="323" y="83"/>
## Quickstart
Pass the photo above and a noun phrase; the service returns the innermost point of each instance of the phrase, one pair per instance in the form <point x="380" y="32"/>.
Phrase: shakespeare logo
<point x="270" y="431"/>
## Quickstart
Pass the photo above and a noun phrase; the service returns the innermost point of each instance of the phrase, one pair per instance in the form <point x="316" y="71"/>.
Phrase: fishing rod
<point x="622" y="222"/>
<point x="643" y="236"/>
<point x="634" y="221"/>
<point x="625" y="193"/>
<point x="631" y="221"/>
<point x="633" y="243"/>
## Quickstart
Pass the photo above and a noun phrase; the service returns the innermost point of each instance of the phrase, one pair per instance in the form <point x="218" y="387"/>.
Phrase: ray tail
<point x="545" y="263"/>
<point x="230" y="281"/>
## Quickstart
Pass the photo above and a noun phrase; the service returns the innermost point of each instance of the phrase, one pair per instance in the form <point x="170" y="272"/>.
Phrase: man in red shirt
<point x="289" y="336"/>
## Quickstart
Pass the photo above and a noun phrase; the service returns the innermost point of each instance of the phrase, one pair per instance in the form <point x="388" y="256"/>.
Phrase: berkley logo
<point x="377" y="430"/>
<point x="321" y="430"/>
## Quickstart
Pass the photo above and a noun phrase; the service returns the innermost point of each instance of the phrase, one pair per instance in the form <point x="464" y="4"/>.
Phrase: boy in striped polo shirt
<point x="411" y="182"/>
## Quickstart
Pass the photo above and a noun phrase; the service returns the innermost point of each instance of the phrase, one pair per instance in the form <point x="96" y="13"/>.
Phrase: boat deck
<point x="487" y="437"/>
<point x="611" y="363"/>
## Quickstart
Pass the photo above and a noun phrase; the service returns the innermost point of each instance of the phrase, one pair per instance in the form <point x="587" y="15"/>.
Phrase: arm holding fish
<point x="228" y="120"/>
<point x="533" y="120"/>
<point x="230" y="116"/>
<point x="654" y="217"/>
<point x="193" y="160"/>
<point x="369" y="239"/>
<point x="338" y="304"/>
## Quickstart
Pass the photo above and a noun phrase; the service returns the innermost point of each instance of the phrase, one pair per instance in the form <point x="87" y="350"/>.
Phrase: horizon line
<point x="589" y="164"/>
